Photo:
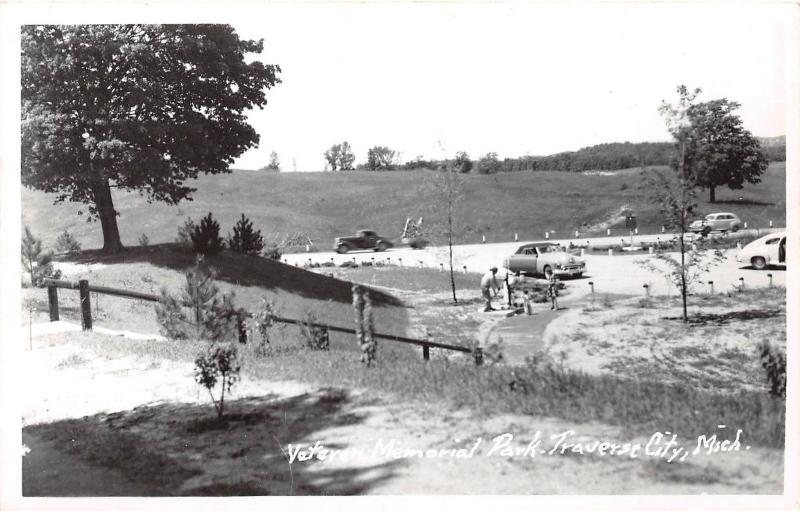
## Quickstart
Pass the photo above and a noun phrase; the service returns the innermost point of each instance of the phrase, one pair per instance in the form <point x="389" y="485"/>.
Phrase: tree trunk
<point x="108" y="217"/>
<point x="711" y="195"/>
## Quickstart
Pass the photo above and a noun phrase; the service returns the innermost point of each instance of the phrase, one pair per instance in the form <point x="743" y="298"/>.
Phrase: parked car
<point x="716" y="222"/>
<point x="542" y="258"/>
<point x="766" y="250"/>
<point x="363" y="240"/>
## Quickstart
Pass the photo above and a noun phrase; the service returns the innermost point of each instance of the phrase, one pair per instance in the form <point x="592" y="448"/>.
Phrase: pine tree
<point x="37" y="262"/>
<point x="244" y="239"/>
<point x="205" y="237"/>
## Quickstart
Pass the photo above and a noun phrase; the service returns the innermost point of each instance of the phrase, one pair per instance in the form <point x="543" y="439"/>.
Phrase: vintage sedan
<point x="542" y="258"/>
<point x="766" y="250"/>
<point x="716" y="222"/>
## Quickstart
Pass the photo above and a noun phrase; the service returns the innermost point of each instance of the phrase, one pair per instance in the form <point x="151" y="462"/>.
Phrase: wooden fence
<point x="84" y="290"/>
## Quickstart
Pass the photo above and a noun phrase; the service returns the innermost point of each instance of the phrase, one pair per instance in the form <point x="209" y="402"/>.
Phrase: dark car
<point x="363" y="240"/>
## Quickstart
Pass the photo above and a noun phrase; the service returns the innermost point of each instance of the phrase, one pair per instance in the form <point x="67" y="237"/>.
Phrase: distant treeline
<point x="613" y="156"/>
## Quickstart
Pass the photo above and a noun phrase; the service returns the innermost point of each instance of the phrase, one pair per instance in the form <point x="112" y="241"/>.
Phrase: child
<point x="526" y="303"/>
<point x="552" y="290"/>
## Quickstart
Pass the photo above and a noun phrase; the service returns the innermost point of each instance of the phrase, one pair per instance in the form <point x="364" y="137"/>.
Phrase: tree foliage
<point x="245" y="239"/>
<point x="489" y="164"/>
<point x="462" y="163"/>
<point x="340" y="157"/>
<point x="36" y="261"/>
<point x="274" y="162"/>
<point x="212" y="316"/>
<point x="381" y="158"/>
<point x="205" y="237"/>
<point x="720" y="152"/>
<point x="134" y="107"/>
<point x="219" y="364"/>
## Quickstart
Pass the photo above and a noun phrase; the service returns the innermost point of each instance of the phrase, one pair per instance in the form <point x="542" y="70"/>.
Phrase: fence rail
<point x="84" y="289"/>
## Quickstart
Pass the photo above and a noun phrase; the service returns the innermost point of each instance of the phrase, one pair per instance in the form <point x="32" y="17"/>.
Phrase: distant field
<point x="329" y="204"/>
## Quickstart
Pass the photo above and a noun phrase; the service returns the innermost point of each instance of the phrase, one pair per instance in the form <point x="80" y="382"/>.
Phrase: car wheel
<point x="547" y="271"/>
<point x="706" y="230"/>
<point x="382" y="246"/>
<point x="759" y="263"/>
<point x="342" y="249"/>
<point x="578" y="275"/>
<point x="735" y="228"/>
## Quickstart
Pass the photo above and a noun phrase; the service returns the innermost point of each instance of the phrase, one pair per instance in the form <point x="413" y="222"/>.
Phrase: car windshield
<point x="550" y="248"/>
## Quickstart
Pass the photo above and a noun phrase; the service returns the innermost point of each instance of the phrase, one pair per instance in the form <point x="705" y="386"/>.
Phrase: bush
<point x="245" y="240"/>
<point x="314" y="337"/>
<point x="144" y="240"/>
<point x="273" y="252"/>
<point x="37" y="262"/>
<point x="773" y="360"/>
<point x="185" y="231"/>
<point x="205" y="237"/>
<point x="264" y="322"/>
<point x="219" y="364"/>
<point x="67" y="244"/>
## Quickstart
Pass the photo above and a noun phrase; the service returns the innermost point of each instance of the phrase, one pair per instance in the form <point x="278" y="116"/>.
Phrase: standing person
<point x="489" y="286"/>
<point x="552" y="290"/>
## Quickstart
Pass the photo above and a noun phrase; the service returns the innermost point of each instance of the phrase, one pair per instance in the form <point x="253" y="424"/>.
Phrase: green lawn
<point x="326" y="205"/>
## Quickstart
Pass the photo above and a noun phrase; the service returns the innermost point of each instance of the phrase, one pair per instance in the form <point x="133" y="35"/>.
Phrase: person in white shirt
<point x="489" y="286"/>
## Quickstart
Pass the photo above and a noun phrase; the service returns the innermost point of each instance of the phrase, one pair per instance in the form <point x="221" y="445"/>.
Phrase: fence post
<point x="86" y="304"/>
<point x="52" y="299"/>
<point x="426" y="354"/>
<point x="770" y="279"/>
<point x="711" y="287"/>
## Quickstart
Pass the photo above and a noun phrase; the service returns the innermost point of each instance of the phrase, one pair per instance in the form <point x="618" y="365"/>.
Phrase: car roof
<point x="771" y="235"/>
<point x="538" y="244"/>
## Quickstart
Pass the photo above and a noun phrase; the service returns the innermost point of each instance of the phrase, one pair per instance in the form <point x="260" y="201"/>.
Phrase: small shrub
<point x="245" y="239"/>
<point x="264" y="322"/>
<point x="67" y="244"/>
<point x="185" y="232"/>
<point x="314" y="337"/>
<point x="37" y="262"/>
<point x="144" y="240"/>
<point x="273" y="252"/>
<point x="773" y="360"/>
<point x="220" y="363"/>
<point x="213" y="316"/>
<point x="205" y="237"/>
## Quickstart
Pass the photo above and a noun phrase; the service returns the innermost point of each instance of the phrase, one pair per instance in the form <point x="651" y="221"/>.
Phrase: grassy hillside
<point x="294" y="291"/>
<point x="331" y="204"/>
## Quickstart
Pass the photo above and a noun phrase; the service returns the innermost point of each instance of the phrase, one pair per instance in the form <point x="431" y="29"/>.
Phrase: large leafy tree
<point x="719" y="151"/>
<point x="340" y="156"/>
<point x="135" y="107"/>
<point x="380" y="158"/>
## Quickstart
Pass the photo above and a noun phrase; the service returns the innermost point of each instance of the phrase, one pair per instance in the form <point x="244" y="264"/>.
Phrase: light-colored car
<point x="717" y="222"/>
<point x="543" y="257"/>
<point x="766" y="250"/>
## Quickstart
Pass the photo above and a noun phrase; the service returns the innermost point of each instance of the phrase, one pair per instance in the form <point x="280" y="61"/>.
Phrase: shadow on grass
<point x="743" y="202"/>
<point x="240" y="269"/>
<point x="182" y="449"/>
<point x="702" y="319"/>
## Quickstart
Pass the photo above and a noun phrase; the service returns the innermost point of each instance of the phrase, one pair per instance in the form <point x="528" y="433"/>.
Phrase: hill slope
<point x="330" y="204"/>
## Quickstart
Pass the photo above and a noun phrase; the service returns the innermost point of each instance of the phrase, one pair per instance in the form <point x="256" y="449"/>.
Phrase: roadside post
<point x="711" y="287"/>
<point x="646" y="290"/>
<point x="547" y="235"/>
<point x="770" y="279"/>
<point x="591" y="287"/>
<point x="741" y="284"/>
<point x="516" y="237"/>
<point x="610" y="251"/>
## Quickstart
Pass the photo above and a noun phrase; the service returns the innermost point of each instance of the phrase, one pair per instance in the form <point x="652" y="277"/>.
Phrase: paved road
<point x="618" y="274"/>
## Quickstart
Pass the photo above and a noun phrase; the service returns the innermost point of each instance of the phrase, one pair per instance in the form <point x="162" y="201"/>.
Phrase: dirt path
<point x="523" y="336"/>
<point x="134" y="427"/>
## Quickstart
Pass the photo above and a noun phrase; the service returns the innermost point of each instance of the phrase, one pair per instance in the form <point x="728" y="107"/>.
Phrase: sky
<point x="431" y="79"/>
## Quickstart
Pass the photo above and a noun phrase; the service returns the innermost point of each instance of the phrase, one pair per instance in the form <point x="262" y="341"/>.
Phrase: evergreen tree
<point x="244" y="239"/>
<point x="205" y="237"/>
<point x="35" y="261"/>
